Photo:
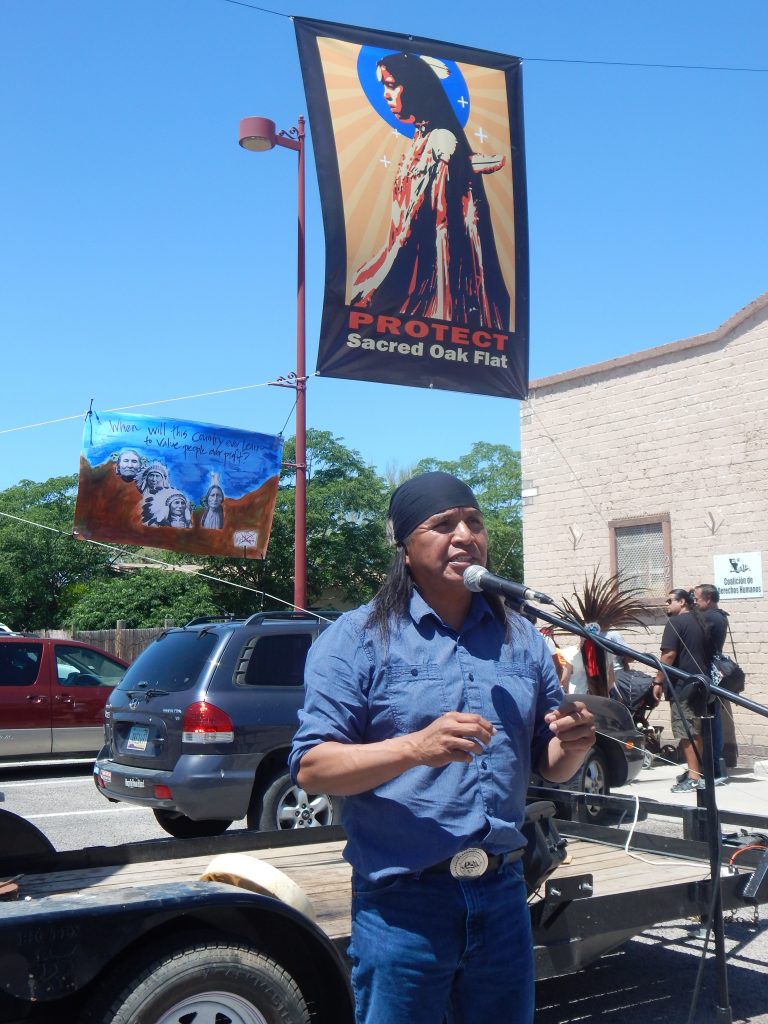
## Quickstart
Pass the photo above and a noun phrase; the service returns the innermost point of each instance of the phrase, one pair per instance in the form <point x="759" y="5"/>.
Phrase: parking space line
<point x="98" y="810"/>
<point x="46" y="782"/>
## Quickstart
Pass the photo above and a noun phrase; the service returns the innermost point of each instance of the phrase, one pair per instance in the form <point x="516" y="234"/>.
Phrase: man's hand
<point x="454" y="737"/>
<point x="573" y="724"/>
<point x="573" y="731"/>
<point x="344" y="769"/>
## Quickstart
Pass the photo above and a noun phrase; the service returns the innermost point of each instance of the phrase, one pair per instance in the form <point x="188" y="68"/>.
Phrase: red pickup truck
<point x="52" y="697"/>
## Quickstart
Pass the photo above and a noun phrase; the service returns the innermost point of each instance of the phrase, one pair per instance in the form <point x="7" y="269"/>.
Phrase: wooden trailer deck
<point x="325" y="877"/>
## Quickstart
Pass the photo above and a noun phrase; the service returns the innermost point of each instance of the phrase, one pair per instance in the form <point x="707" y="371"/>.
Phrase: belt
<point x="474" y="862"/>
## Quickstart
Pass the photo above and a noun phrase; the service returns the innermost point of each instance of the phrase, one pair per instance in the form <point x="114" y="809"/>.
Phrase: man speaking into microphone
<point x="427" y="709"/>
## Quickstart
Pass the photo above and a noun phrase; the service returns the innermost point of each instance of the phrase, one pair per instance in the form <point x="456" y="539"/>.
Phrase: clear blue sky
<point x="145" y="256"/>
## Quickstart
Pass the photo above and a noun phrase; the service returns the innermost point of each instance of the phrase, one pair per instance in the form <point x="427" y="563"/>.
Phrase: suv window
<point x="274" y="660"/>
<point x="174" y="662"/>
<point x="77" y="666"/>
<point x="19" y="664"/>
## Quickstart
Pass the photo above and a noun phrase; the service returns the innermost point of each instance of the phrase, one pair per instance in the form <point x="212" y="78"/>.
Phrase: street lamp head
<point x="257" y="134"/>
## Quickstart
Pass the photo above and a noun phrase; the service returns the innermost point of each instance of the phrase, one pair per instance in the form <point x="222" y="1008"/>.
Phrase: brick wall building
<point x="656" y="463"/>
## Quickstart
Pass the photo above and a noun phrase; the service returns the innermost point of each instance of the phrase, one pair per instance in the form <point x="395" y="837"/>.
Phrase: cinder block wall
<point x="680" y="429"/>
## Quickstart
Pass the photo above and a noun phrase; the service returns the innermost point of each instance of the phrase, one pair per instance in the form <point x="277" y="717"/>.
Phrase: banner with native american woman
<point x="175" y="484"/>
<point x="419" y="152"/>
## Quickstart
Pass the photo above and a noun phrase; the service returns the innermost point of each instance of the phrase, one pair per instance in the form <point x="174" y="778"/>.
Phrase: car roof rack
<point x="200" y="620"/>
<point x="291" y="616"/>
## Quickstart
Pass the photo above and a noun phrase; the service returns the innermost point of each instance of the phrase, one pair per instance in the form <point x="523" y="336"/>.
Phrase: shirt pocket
<point x="514" y="696"/>
<point x="416" y="696"/>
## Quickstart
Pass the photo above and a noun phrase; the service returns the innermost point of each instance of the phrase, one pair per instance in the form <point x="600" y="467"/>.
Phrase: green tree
<point x="47" y="578"/>
<point x="493" y="473"/>
<point x="347" y="554"/>
<point x="144" y="597"/>
<point x="42" y="567"/>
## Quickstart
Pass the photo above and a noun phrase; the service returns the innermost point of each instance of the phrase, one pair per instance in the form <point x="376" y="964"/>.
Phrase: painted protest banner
<point x="176" y="484"/>
<point x="419" y="153"/>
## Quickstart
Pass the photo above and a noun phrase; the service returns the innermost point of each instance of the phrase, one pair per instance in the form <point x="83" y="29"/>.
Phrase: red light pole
<point x="258" y="134"/>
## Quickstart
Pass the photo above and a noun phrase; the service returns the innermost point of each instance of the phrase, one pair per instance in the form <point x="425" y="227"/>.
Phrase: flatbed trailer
<point x="88" y="921"/>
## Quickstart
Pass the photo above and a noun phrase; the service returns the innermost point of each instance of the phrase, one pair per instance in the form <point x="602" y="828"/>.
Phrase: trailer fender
<point x="54" y="947"/>
<point x="22" y="837"/>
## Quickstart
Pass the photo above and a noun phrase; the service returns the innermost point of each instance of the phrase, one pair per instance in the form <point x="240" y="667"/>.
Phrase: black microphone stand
<point x="698" y="691"/>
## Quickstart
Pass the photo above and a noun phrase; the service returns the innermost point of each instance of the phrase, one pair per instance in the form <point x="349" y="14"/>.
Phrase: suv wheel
<point x="182" y="827"/>
<point x="282" y="805"/>
<point x="593" y="779"/>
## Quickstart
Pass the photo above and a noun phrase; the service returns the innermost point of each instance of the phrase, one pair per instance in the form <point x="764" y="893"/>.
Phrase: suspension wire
<point x="263" y="10"/>
<point x="167" y="566"/>
<point x="287" y="418"/>
<point x="644" y="64"/>
<point x="576" y="476"/>
<point x="565" y="60"/>
<point x="138" y="405"/>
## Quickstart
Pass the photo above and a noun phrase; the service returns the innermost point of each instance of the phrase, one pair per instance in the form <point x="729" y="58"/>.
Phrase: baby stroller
<point x="635" y="690"/>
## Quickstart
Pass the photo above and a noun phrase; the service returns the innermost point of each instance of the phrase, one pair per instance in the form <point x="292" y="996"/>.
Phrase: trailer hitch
<point x="756" y="881"/>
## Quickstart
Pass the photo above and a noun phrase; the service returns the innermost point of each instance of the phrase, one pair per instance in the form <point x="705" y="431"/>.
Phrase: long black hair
<point x="686" y="596"/>
<point x="424" y="98"/>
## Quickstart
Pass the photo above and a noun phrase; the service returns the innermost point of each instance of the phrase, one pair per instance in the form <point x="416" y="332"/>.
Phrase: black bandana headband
<point x="423" y="496"/>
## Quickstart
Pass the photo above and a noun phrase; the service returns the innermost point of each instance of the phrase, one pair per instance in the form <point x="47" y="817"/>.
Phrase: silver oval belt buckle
<point x="470" y="863"/>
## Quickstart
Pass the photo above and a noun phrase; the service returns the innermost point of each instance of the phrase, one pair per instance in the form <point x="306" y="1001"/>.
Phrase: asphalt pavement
<point x="745" y="792"/>
<point x="652" y="978"/>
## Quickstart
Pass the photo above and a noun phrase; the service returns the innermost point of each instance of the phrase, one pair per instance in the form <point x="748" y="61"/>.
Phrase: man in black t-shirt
<point x="706" y="597"/>
<point x="685" y="644"/>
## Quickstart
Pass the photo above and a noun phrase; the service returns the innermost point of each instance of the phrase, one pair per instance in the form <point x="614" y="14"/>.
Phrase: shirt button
<point x="483" y="764"/>
<point x="471" y="677"/>
<point x="414" y="671"/>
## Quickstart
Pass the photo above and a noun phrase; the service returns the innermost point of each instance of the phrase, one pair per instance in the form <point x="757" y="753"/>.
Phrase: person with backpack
<point x="685" y="644"/>
<point x="706" y="597"/>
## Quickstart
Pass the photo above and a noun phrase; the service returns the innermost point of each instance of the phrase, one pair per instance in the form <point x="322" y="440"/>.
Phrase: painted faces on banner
<point x="419" y="149"/>
<point x="175" y="484"/>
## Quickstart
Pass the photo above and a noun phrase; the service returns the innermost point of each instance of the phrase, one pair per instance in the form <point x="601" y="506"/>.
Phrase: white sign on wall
<point x="739" y="575"/>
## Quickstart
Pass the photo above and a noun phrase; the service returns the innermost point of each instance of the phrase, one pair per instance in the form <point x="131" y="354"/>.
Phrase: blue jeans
<point x="431" y="948"/>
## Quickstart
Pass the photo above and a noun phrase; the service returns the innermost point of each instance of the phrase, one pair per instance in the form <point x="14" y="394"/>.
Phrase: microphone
<point x="477" y="578"/>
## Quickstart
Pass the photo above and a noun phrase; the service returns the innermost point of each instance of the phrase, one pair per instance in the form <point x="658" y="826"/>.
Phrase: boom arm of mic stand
<point x="736" y="698"/>
<point x="530" y="611"/>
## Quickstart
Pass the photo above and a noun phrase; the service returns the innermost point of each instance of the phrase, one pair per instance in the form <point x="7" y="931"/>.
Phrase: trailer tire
<point x="204" y="981"/>
<point x="182" y="827"/>
<point x="593" y="778"/>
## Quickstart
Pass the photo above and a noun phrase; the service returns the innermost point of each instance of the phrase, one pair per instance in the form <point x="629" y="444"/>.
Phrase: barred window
<point x="641" y="552"/>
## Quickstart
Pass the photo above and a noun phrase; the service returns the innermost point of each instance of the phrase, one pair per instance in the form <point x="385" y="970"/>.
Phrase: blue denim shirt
<point x="360" y="689"/>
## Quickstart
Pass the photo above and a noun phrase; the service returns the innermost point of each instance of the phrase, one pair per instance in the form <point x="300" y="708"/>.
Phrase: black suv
<point x="200" y="727"/>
